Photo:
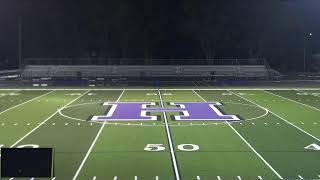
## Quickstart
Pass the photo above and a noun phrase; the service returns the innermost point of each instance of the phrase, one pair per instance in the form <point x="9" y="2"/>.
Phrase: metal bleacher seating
<point x="241" y="71"/>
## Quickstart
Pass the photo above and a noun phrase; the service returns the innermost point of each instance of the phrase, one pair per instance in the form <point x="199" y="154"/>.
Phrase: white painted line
<point x="218" y="177"/>
<point x="26" y="102"/>
<point x="260" y="178"/>
<point x="281" y="118"/>
<point x="92" y="145"/>
<point x="198" y="178"/>
<point x="164" y="89"/>
<point x="45" y="121"/>
<point x="274" y="171"/>
<point x="300" y="176"/>
<point x="157" y="177"/>
<point x="173" y="156"/>
<point x="94" y="178"/>
<point x="135" y="178"/>
<point x="115" y="178"/>
<point x="239" y="177"/>
<point x="319" y="176"/>
<point x="292" y="100"/>
<point x="53" y="178"/>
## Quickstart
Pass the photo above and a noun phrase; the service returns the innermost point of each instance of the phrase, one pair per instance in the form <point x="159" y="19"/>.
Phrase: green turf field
<point x="278" y="136"/>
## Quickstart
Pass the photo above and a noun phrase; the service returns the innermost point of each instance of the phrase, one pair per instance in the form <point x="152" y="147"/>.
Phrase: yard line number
<point x="181" y="147"/>
<point x="314" y="147"/>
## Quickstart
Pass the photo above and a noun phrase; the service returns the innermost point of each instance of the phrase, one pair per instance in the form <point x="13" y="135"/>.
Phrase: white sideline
<point x="244" y="140"/>
<point x="173" y="156"/>
<point x="155" y="89"/>
<point x="292" y="100"/>
<point x="279" y="117"/>
<point x="43" y="122"/>
<point x="26" y="102"/>
<point x="92" y="145"/>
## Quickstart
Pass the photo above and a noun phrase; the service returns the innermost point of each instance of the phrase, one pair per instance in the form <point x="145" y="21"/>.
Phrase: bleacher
<point x="140" y="71"/>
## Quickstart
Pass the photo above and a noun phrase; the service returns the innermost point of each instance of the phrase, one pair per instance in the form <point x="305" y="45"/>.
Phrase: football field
<point x="168" y="134"/>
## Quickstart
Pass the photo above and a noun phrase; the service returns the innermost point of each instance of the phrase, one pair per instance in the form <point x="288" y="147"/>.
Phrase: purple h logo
<point x="140" y="111"/>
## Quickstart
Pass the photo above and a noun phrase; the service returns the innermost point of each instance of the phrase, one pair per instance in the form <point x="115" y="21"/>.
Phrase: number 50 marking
<point x="181" y="147"/>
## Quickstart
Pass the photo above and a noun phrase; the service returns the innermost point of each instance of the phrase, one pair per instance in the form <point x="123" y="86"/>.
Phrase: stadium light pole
<point x="306" y="38"/>
<point x="20" y="41"/>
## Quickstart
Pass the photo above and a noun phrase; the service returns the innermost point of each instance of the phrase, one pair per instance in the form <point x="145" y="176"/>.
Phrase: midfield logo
<point x="141" y="111"/>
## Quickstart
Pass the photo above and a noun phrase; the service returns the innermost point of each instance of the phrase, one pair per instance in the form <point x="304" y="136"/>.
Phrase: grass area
<point x="268" y="142"/>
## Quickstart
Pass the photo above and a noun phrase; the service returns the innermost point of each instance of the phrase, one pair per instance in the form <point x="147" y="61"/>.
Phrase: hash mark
<point x="239" y="177"/>
<point x="300" y="176"/>
<point x="260" y="177"/>
<point x="218" y="177"/>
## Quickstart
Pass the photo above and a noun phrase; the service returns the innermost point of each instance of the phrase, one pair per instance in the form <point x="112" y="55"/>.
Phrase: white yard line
<point x="292" y="100"/>
<point x="248" y="144"/>
<point x="43" y="122"/>
<point x="26" y="102"/>
<point x="92" y="145"/>
<point x="173" y="156"/>
<point x="273" y="170"/>
<point x="278" y="117"/>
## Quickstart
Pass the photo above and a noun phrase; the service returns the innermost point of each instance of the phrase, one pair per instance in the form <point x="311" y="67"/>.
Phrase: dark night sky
<point x="272" y="29"/>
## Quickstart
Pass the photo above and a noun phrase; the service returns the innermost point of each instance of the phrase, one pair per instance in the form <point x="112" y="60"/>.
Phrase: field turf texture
<point x="276" y="138"/>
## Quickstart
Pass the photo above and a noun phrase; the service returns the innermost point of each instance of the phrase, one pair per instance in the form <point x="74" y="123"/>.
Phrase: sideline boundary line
<point x="280" y="118"/>
<point x="92" y="145"/>
<point x="169" y="137"/>
<point x="288" y="99"/>
<point x="26" y="102"/>
<point x="248" y="144"/>
<point x="46" y="120"/>
<point x="155" y="89"/>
